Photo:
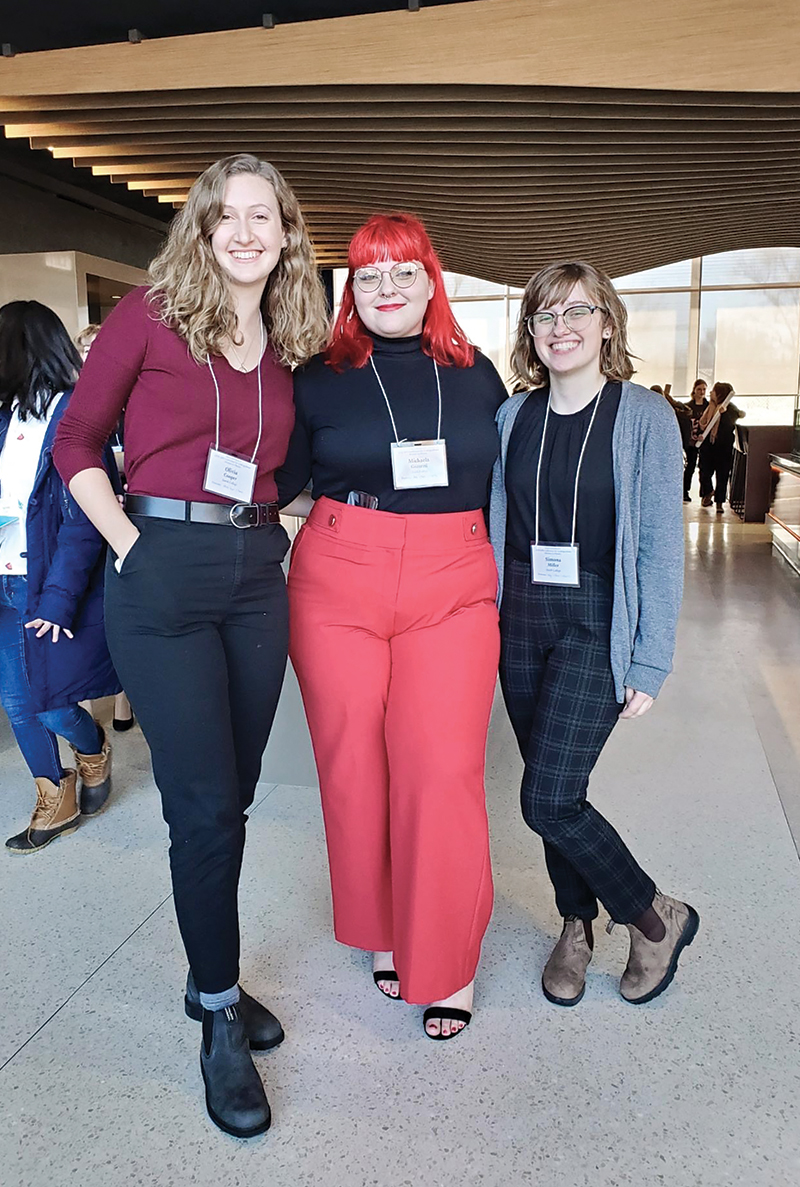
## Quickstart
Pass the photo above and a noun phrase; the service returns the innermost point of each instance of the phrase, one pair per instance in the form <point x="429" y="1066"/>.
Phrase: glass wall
<point x="658" y="331"/>
<point x="742" y="327"/>
<point x="733" y="317"/>
<point x="752" y="335"/>
<point x="484" y="312"/>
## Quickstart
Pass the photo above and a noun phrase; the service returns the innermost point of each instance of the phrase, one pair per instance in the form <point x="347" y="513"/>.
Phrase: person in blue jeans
<point x="53" y="651"/>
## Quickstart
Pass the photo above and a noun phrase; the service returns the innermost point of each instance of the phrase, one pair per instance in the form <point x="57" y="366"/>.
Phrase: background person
<point x="681" y="415"/>
<point x="696" y="406"/>
<point x="716" y="449"/>
<point x="53" y="651"/>
<point x="196" y="601"/>
<point x="590" y="463"/>
<point x="123" y="714"/>
<point x="393" y="618"/>
<point x="84" y="339"/>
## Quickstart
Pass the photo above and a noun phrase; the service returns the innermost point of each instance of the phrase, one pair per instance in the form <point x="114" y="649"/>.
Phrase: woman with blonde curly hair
<point x="587" y="525"/>
<point x="196" y="611"/>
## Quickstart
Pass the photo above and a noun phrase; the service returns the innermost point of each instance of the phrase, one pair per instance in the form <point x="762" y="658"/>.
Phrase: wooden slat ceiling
<point x="505" y="177"/>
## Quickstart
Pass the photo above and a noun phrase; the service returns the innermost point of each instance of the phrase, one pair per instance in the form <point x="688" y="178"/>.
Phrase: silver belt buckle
<point x="232" y="515"/>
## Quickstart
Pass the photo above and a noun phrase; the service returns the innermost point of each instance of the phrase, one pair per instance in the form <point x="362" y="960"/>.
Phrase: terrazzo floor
<point x="99" y="1080"/>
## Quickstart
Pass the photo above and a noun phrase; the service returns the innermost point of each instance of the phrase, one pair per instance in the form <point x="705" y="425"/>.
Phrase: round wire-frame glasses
<point x="577" y="317"/>
<point x="369" y="278"/>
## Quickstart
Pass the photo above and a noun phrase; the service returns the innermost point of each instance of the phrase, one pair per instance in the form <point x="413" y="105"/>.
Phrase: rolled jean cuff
<point x="218" y="1001"/>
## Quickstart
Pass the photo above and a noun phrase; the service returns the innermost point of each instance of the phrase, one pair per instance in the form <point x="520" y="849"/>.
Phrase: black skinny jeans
<point x="688" y="471"/>
<point x="716" y="461"/>
<point x="197" y="625"/>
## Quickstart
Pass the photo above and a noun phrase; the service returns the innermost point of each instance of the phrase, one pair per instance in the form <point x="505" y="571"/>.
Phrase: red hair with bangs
<point x="399" y="237"/>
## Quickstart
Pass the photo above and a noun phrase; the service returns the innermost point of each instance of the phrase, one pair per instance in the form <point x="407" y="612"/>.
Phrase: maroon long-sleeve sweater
<point x="139" y="366"/>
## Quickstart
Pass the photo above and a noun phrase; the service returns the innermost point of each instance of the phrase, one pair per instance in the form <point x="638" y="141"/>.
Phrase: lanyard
<point x="577" y="472"/>
<point x="260" y="407"/>
<point x="388" y="405"/>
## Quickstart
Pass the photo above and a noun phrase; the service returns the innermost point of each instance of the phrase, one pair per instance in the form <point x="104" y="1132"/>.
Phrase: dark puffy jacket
<point x="65" y="585"/>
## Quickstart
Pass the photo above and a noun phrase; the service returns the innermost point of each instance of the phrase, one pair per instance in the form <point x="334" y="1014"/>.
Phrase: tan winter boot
<point x="652" y="966"/>
<point x="56" y="813"/>
<point x="95" y="773"/>
<point x="564" y="976"/>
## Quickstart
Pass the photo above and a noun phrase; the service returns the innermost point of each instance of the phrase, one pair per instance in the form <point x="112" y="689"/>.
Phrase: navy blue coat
<point x="66" y="556"/>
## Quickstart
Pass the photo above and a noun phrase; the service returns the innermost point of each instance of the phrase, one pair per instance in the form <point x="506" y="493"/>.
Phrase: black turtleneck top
<point x="343" y="434"/>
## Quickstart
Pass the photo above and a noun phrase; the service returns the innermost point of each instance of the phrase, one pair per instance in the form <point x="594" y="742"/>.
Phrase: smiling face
<point x="248" y="239"/>
<point x="391" y="311"/>
<point x="564" y="350"/>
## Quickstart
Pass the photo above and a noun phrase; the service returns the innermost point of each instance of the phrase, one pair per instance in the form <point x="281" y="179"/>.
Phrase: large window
<point x="668" y="276"/>
<point x="484" y="322"/>
<point x="762" y="266"/>
<point x="752" y="335"/>
<point x="658" y="333"/>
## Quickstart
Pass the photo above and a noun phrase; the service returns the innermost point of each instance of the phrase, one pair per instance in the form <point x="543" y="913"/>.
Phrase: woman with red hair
<point x="393" y="624"/>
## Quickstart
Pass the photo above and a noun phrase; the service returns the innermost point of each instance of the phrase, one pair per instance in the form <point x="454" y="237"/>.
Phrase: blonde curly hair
<point x="552" y="284"/>
<point x="190" y="291"/>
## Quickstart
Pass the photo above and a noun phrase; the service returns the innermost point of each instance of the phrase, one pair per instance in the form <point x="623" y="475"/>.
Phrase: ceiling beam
<point x="505" y="176"/>
<point x="487" y="42"/>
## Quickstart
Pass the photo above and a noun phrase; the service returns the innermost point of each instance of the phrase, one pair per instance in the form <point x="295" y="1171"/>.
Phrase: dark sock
<point x="650" y="925"/>
<point x="208" y="1029"/>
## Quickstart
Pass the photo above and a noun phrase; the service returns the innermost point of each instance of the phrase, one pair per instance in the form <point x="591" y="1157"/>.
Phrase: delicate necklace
<point x="242" y="362"/>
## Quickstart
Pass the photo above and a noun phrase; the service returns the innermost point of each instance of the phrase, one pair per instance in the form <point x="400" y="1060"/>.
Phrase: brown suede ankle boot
<point x="564" y="976"/>
<point x="56" y="813"/>
<point x="95" y="773"/>
<point x="651" y="966"/>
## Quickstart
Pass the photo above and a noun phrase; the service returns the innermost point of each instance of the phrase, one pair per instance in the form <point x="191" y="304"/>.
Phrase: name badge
<point x="555" y="564"/>
<point x="419" y="464"/>
<point x="230" y="476"/>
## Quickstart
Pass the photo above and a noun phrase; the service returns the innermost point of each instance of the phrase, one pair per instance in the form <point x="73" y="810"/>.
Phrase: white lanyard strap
<point x="577" y="472"/>
<point x="388" y="405"/>
<point x="260" y="405"/>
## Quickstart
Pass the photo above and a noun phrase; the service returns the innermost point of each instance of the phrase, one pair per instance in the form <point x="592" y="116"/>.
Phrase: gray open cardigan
<point x="648" y="562"/>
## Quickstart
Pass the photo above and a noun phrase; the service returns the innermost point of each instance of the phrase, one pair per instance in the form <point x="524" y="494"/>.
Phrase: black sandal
<point x="445" y="1014"/>
<point x="389" y="975"/>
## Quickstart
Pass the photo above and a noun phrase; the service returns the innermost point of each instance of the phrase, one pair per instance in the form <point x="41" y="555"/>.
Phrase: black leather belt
<point x="241" y="515"/>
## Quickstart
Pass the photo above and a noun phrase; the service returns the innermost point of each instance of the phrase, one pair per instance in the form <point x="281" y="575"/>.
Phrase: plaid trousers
<point x="555" y="672"/>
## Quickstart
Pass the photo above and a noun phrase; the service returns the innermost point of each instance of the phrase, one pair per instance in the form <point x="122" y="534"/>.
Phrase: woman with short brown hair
<point x="587" y="525"/>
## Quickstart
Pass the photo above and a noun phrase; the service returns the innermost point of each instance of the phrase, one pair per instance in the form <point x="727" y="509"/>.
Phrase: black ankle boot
<point x="263" y="1029"/>
<point x="235" y="1097"/>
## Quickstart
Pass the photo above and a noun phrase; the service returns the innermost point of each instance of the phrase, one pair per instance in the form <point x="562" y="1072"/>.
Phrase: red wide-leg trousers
<point x="394" y="638"/>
